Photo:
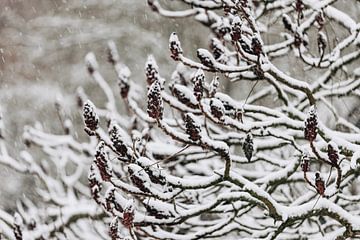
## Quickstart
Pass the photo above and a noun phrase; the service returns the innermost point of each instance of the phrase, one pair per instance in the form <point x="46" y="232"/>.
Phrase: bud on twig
<point x="311" y="123"/>
<point x="248" y="146"/>
<point x="91" y="62"/>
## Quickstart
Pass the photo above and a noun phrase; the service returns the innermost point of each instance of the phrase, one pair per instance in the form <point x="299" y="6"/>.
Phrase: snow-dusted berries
<point x="319" y="184"/>
<point x="193" y="127"/>
<point x="114" y="229"/>
<point x="205" y="57"/>
<point x="128" y="216"/>
<point x="102" y="161"/>
<point x="151" y="70"/>
<point x="117" y="142"/>
<point x="248" y="146"/>
<point x="175" y="46"/>
<point x="217" y="109"/>
<point x="256" y="46"/>
<point x="91" y="119"/>
<point x="236" y="29"/>
<point x="199" y="80"/>
<point x="311" y="124"/>
<point x="333" y="153"/>
<point x="139" y="177"/>
<point x="94" y="179"/>
<point x="110" y="201"/>
<point x="155" y="103"/>
<point x="305" y="163"/>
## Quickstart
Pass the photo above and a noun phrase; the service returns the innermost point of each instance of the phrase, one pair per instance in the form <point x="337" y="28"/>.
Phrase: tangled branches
<point x="194" y="162"/>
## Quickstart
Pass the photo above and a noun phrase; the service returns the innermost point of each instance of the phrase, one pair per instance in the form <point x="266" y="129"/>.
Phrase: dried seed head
<point x="91" y="119"/>
<point x="175" y="46"/>
<point x="333" y="153"/>
<point x="248" y="146"/>
<point x="103" y="162"/>
<point x="217" y="109"/>
<point x="151" y="70"/>
<point x="129" y="212"/>
<point x="193" y="127"/>
<point x="311" y="124"/>
<point x="199" y="80"/>
<point x="155" y="107"/>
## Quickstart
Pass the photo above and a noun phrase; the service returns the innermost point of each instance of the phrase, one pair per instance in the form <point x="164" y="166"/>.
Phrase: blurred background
<point x="42" y="48"/>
